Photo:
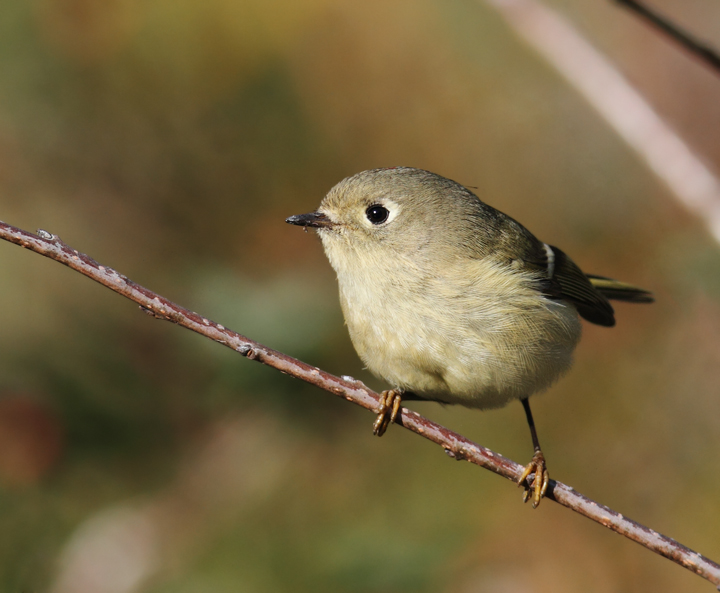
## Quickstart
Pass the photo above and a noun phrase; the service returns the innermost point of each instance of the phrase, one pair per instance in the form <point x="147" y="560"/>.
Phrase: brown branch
<point x="455" y="445"/>
<point x="697" y="48"/>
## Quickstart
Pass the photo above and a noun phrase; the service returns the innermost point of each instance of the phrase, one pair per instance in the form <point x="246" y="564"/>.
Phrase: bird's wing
<point x="557" y="275"/>
<point x="577" y="288"/>
<point x="565" y="280"/>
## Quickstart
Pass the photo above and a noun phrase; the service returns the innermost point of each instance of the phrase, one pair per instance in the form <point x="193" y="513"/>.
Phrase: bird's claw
<point x="390" y="401"/>
<point x="537" y="488"/>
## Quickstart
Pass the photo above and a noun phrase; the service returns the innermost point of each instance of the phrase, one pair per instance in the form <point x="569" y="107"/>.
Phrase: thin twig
<point x="697" y="48"/>
<point x="595" y="78"/>
<point x="455" y="445"/>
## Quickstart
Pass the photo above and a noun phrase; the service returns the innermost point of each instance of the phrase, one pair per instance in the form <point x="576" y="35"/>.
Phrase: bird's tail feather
<point x="620" y="291"/>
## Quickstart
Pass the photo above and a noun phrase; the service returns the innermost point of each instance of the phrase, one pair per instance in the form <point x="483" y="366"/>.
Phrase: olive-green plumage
<point x="448" y="299"/>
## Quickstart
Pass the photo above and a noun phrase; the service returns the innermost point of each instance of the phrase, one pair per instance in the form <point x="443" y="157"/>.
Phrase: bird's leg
<point x="390" y="401"/>
<point x="539" y="485"/>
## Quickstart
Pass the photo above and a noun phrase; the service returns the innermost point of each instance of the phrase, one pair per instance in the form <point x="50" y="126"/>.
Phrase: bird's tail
<point x="620" y="291"/>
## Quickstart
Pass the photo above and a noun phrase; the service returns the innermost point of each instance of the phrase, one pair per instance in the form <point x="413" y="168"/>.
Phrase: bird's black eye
<point x="377" y="214"/>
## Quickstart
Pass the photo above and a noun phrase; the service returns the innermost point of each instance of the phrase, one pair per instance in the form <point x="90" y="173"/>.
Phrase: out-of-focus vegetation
<point x="169" y="139"/>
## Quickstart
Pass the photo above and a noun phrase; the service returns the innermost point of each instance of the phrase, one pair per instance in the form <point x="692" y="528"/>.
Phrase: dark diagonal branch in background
<point x="455" y="445"/>
<point x="698" y="48"/>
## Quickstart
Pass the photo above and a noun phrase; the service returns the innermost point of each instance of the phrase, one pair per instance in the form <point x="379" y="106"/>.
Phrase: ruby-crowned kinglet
<point x="450" y="300"/>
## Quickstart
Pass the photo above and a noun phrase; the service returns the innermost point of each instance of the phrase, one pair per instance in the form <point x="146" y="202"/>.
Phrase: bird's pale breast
<point x="448" y="337"/>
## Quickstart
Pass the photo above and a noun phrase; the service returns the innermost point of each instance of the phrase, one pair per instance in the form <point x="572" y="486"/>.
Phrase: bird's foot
<point x="536" y="489"/>
<point x="390" y="401"/>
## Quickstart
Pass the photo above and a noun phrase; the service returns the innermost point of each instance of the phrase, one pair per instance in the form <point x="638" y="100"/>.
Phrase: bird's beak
<point x="312" y="219"/>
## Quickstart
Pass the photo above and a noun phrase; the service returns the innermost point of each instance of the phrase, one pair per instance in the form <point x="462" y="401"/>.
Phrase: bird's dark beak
<point x="312" y="219"/>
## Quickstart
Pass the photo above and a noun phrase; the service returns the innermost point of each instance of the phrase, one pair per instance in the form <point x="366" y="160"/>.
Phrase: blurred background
<point x="170" y="139"/>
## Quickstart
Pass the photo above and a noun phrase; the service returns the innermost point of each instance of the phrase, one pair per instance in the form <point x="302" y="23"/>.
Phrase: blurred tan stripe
<point x="627" y="112"/>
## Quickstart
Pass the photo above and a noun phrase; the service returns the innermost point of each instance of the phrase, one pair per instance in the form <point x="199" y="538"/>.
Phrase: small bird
<point x="449" y="300"/>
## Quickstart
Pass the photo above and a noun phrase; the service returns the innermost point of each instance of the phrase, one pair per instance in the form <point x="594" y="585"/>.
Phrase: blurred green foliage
<point x="169" y="140"/>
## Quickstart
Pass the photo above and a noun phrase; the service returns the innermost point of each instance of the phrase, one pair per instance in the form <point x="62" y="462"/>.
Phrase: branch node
<point x="352" y="380"/>
<point x="43" y="234"/>
<point x="150" y="312"/>
<point x="457" y="455"/>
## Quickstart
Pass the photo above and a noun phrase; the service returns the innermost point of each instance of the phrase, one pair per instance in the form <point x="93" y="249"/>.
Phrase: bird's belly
<point x="479" y="362"/>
